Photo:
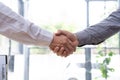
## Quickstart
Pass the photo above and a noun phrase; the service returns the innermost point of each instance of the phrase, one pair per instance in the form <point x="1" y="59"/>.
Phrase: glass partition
<point x="68" y="15"/>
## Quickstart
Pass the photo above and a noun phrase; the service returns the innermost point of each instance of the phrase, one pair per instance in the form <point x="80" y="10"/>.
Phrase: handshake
<point x="64" y="43"/>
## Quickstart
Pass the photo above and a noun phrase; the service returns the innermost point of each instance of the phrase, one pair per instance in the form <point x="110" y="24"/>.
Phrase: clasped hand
<point x="64" y="43"/>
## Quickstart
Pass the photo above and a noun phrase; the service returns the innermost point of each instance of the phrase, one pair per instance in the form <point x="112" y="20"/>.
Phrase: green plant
<point x="104" y="61"/>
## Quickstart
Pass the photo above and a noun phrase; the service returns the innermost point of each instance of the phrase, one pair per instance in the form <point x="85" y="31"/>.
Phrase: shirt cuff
<point x="82" y="37"/>
<point x="47" y="37"/>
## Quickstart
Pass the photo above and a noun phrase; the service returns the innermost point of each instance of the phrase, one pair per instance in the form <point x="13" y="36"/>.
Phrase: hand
<point x="69" y="35"/>
<point x="62" y="42"/>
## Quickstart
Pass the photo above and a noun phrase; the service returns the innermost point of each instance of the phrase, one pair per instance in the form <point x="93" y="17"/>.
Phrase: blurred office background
<point x="30" y="62"/>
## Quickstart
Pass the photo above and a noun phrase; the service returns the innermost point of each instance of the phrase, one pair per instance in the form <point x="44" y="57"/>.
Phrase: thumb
<point x="75" y="44"/>
<point x="63" y="32"/>
<point x="68" y="34"/>
<point x="59" y="32"/>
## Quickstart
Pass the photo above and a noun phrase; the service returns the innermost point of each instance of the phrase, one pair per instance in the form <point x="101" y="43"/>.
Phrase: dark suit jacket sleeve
<point x="99" y="32"/>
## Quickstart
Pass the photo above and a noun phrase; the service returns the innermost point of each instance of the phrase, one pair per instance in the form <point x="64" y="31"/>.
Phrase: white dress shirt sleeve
<point x="17" y="28"/>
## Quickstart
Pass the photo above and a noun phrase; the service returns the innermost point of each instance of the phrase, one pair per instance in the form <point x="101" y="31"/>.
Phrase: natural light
<point x="52" y="15"/>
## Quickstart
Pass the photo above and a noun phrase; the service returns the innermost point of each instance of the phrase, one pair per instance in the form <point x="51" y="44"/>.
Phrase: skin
<point x="62" y="44"/>
<point x="71" y="39"/>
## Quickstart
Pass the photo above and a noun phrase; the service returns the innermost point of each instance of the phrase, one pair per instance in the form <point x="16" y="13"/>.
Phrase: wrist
<point x="77" y="41"/>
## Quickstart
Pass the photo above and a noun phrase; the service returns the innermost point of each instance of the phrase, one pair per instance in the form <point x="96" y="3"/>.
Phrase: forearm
<point x="98" y="33"/>
<point x="17" y="28"/>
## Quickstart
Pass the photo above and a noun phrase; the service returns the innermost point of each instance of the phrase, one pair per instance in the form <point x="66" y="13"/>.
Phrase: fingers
<point x="68" y="34"/>
<point x="56" y="49"/>
<point x="62" y="46"/>
<point x="62" y="32"/>
<point x="64" y="51"/>
<point x="60" y="51"/>
<point x="59" y="32"/>
<point x="70" y="46"/>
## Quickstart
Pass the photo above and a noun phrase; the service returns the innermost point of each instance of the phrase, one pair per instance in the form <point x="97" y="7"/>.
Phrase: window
<point x="52" y="15"/>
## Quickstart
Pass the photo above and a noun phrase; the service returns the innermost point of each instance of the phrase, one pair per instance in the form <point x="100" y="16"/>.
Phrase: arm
<point x="98" y="33"/>
<point x="17" y="28"/>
